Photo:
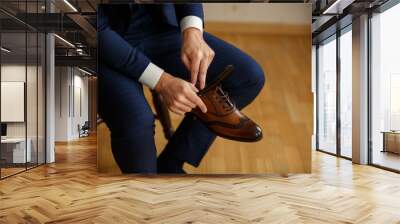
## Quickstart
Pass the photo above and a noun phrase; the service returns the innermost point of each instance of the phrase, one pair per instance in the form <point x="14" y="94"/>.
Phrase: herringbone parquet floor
<point x="71" y="191"/>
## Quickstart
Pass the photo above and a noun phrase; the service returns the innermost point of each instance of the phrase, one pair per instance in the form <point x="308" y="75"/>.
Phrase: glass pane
<point x="31" y="87"/>
<point x="41" y="98"/>
<point x="31" y="97"/>
<point x="314" y="78"/>
<point x="386" y="89"/>
<point x="23" y="89"/>
<point x="346" y="94"/>
<point x="14" y="153"/>
<point x="327" y="97"/>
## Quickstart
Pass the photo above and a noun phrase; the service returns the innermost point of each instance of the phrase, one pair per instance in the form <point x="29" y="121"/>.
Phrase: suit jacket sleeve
<point x="183" y="10"/>
<point x="117" y="52"/>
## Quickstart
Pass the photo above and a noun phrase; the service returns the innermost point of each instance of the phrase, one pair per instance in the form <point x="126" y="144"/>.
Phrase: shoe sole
<point x="238" y="138"/>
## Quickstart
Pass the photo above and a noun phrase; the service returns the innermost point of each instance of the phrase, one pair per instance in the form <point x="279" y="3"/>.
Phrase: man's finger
<point x="185" y="61"/>
<point x="188" y="103"/>
<point x="182" y="107"/>
<point x="194" y="70"/>
<point x="203" y="72"/>
<point x="211" y="58"/>
<point x="194" y="88"/>
<point x="196" y="100"/>
<point x="212" y="55"/>
<point x="185" y="101"/>
<point x="176" y="110"/>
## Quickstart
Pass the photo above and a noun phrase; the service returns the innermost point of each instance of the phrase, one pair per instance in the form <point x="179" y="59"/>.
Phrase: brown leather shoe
<point x="222" y="117"/>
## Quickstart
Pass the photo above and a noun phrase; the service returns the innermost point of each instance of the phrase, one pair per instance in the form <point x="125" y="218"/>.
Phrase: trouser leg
<point x="123" y="107"/>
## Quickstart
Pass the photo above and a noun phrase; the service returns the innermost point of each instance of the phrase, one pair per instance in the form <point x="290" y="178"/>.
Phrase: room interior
<point x="354" y="141"/>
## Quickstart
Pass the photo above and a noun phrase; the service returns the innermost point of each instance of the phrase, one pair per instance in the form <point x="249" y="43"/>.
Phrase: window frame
<point x="333" y="37"/>
<point x="29" y="29"/>
<point x="378" y="10"/>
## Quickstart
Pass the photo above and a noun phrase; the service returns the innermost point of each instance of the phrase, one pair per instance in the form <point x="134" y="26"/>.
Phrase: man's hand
<point x="196" y="55"/>
<point x="179" y="95"/>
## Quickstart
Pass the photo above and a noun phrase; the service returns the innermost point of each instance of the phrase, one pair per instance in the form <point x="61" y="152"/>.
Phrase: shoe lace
<point x="223" y="98"/>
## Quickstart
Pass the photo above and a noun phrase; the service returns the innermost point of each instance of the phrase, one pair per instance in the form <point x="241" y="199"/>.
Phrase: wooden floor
<point x="71" y="191"/>
<point x="11" y="170"/>
<point x="8" y="171"/>
<point x="386" y="159"/>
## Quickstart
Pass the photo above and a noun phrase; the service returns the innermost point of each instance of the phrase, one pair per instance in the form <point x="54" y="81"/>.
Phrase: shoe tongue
<point x="227" y="104"/>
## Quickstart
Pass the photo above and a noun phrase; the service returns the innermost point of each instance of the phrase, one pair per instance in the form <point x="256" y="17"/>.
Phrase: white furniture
<point x="17" y="146"/>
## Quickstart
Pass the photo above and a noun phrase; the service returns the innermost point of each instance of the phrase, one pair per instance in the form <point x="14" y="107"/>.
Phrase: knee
<point x="255" y="75"/>
<point x="140" y="123"/>
<point x="133" y="124"/>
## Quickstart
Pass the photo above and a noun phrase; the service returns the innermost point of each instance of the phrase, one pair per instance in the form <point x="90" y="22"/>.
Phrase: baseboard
<point x="258" y="28"/>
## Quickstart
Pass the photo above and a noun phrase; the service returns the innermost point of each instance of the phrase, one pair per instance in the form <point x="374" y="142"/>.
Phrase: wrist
<point x="192" y="31"/>
<point x="164" y="79"/>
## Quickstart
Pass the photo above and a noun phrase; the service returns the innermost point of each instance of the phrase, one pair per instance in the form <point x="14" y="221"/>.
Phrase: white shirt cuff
<point x="151" y="75"/>
<point x="191" y="21"/>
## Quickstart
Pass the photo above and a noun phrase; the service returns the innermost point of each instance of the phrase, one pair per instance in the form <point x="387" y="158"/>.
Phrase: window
<point x="15" y="146"/>
<point x="385" y="89"/>
<point x="22" y="78"/>
<point x="327" y="96"/>
<point x="346" y="93"/>
<point x="394" y="102"/>
<point x="334" y="106"/>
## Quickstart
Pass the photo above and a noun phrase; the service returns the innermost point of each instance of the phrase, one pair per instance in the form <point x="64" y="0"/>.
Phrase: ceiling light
<point x="84" y="71"/>
<point x="338" y="6"/>
<point x="70" y="5"/>
<point x="5" y="50"/>
<point x="65" y="41"/>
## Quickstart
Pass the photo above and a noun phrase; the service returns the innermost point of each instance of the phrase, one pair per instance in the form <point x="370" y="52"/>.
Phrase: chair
<point x="84" y="130"/>
<point x="162" y="114"/>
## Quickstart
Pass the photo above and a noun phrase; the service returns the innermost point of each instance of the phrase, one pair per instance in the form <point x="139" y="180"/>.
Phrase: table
<point x="391" y="141"/>
<point x="13" y="150"/>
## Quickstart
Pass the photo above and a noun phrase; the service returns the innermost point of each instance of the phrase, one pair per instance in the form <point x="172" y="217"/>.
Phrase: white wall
<point x="71" y="93"/>
<point x="281" y="13"/>
<point x="62" y="82"/>
<point x="13" y="72"/>
<point x="17" y="72"/>
<point x="80" y="100"/>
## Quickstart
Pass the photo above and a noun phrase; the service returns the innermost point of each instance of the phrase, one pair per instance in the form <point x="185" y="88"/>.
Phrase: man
<point x="164" y="47"/>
